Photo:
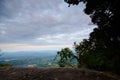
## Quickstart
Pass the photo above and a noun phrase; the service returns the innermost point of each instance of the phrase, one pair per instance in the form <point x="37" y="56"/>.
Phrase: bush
<point x="6" y="65"/>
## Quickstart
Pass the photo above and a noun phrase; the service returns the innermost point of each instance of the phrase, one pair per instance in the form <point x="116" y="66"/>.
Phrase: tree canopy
<point x="104" y="42"/>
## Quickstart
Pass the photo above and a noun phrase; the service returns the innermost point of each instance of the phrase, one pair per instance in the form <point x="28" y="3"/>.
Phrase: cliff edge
<point x="16" y="73"/>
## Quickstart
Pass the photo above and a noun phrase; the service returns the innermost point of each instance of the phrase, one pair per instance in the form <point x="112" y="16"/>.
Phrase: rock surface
<point x="13" y="73"/>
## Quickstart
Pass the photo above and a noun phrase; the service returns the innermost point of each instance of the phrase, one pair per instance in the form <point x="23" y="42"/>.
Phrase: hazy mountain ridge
<point x="29" y="58"/>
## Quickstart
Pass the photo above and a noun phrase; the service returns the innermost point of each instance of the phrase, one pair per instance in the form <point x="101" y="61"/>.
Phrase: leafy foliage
<point x="6" y="65"/>
<point x="66" y="56"/>
<point x="70" y="57"/>
<point x="101" y="50"/>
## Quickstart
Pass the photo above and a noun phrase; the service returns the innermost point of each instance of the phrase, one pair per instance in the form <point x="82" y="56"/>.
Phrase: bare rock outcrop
<point x="13" y="73"/>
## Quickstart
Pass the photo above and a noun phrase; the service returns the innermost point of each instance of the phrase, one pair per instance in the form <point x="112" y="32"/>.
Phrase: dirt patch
<point x="11" y="73"/>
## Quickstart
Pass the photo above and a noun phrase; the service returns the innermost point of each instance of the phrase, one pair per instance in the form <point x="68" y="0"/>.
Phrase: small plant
<point x="6" y="65"/>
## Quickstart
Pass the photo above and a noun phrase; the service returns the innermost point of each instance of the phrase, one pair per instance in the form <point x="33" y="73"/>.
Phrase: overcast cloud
<point x="42" y="23"/>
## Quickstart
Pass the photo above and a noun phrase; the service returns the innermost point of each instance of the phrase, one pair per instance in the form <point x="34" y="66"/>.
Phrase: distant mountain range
<point x="30" y="58"/>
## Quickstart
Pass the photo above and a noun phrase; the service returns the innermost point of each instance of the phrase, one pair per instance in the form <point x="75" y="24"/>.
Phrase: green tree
<point x="105" y="39"/>
<point x="68" y="57"/>
<point x="102" y="49"/>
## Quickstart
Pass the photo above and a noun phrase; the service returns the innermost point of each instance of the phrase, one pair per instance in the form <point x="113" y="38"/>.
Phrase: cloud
<point x="64" y="39"/>
<point x="42" y="22"/>
<point x="18" y="47"/>
<point x="2" y="31"/>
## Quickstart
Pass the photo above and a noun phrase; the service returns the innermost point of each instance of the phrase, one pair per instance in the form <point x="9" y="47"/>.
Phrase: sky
<point x="41" y="24"/>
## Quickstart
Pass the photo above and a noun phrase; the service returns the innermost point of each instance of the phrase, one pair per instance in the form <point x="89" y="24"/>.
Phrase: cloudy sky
<point x="41" y="24"/>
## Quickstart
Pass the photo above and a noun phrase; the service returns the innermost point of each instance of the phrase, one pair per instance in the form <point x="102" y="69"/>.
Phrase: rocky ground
<point x="12" y="73"/>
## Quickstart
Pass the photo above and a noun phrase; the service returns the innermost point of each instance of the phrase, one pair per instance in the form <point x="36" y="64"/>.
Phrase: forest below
<point x="100" y="52"/>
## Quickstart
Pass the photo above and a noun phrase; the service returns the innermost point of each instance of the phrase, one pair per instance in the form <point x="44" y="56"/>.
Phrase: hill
<point x="29" y="58"/>
<point x="20" y="73"/>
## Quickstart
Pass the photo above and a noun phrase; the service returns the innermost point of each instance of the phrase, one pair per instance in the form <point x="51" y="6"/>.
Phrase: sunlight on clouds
<point x="15" y="47"/>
